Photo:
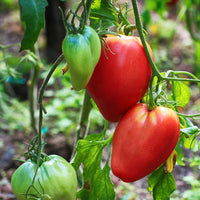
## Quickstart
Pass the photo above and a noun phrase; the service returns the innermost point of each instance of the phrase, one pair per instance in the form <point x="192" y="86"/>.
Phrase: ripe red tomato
<point x="143" y="140"/>
<point x="120" y="78"/>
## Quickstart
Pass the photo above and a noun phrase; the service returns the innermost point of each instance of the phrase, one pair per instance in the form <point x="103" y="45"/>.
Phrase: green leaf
<point x="89" y="152"/>
<point x="186" y="122"/>
<point x="32" y="14"/>
<point x="189" y="131"/>
<point x="181" y="93"/>
<point x="180" y="155"/>
<point x="83" y="194"/>
<point x="102" y="187"/>
<point x="103" y="13"/>
<point x="161" y="184"/>
<point x="189" y="142"/>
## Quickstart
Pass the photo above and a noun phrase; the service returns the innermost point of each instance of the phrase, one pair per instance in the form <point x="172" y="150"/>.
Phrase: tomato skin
<point x="82" y="52"/>
<point x="56" y="176"/>
<point x="143" y="140"/>
<point x="120" y="80"/>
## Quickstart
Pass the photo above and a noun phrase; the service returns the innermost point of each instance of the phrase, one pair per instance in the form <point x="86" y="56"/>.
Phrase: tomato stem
<point x="139" y="27"/>
<point x="155" y="70"/>
<point x="71" y="26"/>
<point x="151" y="104"/>
<point x="41" y="107"/>
<point x="86" y="108"/>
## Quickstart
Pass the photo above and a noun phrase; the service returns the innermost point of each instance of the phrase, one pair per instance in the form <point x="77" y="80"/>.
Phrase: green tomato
<point x="82" y="53"/>
<point x="55" y="179"/>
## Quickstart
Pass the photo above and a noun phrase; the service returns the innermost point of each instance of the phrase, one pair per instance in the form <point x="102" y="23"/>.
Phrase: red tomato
<point x="143" y="140"/>
<point x="120" y="78"/>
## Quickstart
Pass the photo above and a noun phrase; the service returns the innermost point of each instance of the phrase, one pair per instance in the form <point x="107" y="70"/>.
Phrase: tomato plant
<point x="121" y="76"/>
<point x="118" y="76"/>
<point x="55" y="178"/>
<point x="143" y="140"/>
<point x="82" y="52"/>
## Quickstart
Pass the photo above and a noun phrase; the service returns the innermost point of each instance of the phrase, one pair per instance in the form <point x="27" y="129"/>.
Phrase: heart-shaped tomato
<point x="143" y="140"/>
<point x="121" y="76"/>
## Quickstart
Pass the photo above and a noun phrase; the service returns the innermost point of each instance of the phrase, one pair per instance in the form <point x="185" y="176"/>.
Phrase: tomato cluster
<point x="143" y="138"/>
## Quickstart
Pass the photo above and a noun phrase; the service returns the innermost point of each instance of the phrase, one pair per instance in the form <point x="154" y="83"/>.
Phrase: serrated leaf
<point x="154" y="178"/>
<point x="181" y="93"/>
<point x="165" y="187"/>
<point x="102" y="13"/>
<point x="83" y="194"/>
<point x="189" y="142"/>
<point x="89" y="152"/>
<point x="188" y="123"/>
<point x="32" y="14"/>
<point x="102" y="187"/>
<point x="161" y="184"/>
<point x="189" y="131"/>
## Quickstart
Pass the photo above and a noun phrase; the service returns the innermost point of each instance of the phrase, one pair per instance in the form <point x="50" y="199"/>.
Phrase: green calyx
<point x="82" y="53"/>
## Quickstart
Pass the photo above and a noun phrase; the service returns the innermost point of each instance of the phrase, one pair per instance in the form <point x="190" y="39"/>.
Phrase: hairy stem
<point x="41" y="107"/>
<point x="32" y="89"/>
<point x="156" y="72"/>
<point x="139" y="27"/>
<point x="84" y="122"/>
<point x="87" y="106"/>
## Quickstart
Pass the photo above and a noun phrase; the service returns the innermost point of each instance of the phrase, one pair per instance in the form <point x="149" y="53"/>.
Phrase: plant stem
<point x="46" y="80"/>
<point x="83" y="125"/>
<point x="155" y="71"/>
<point x="189" y="115"/>
<point x="41" y="107"/>
<point x="88" y="6"/>
<point x="174" y="94"/>
<point x="139" y="27"/>
<point x="32" y="89"/>
<point x="87" y="106"/>
<point x="151" y="104"/>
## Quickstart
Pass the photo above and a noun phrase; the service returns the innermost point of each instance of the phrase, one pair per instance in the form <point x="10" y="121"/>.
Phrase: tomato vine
<point x="88" y="148"/>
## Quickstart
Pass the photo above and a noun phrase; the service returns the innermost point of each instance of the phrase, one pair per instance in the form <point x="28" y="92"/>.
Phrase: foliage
<point x="33" y="16"/>
<point x="59" y="105"/>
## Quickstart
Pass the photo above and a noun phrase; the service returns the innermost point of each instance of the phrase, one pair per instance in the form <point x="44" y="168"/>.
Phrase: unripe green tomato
<point x="55" y="179"/>
<point x="82" y="52"/>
